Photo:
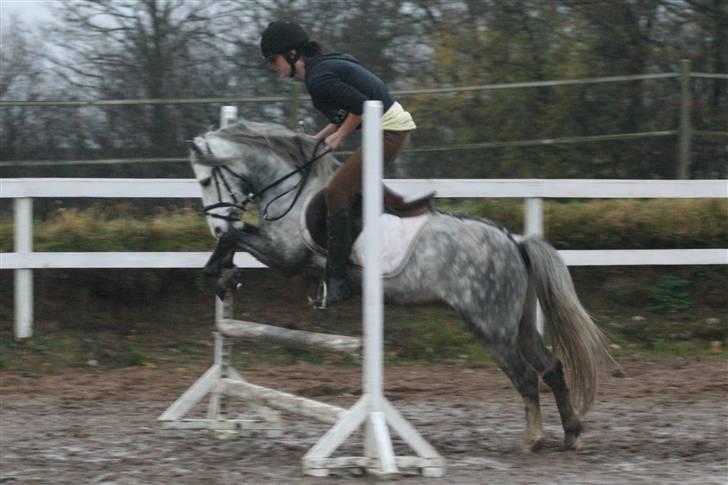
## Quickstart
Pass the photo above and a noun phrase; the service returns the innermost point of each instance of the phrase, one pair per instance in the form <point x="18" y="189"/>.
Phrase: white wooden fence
<point x="24" y="260"/>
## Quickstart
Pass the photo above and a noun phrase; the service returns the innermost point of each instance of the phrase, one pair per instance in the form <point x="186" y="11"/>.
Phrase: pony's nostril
<point x="218" y="231"/>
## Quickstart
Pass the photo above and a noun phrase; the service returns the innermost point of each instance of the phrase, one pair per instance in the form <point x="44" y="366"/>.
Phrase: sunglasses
<point x="269" y="59"/>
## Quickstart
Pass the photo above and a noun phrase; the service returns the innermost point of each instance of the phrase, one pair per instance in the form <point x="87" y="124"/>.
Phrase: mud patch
<point x="666" y="421"/>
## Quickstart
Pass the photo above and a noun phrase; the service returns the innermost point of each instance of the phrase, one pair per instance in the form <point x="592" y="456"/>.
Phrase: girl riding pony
<point x="339" y="85"/>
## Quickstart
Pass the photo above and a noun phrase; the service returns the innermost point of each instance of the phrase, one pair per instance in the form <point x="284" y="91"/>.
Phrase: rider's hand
<point x="333" y="141"/>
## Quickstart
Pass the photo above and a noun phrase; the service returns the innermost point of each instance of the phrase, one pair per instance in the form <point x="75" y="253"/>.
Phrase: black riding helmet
<point x="280" y="37"/>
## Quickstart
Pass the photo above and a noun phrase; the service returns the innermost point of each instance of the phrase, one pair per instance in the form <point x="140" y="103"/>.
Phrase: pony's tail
<point x="574" y="335"/>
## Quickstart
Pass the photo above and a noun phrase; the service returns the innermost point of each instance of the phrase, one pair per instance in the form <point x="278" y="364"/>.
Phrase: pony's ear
<point x="201" y="158"/>
<point x="207" y="159"/>
<point x="197" y="150"/>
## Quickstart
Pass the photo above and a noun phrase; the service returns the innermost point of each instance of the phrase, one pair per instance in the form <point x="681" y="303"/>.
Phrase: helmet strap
<point x="292" y="59"/>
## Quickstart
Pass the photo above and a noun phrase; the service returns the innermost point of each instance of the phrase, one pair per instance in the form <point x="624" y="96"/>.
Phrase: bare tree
<point x="20" y="78"/>
<point x="18" y="64"/>
<point x="140" y="49"/>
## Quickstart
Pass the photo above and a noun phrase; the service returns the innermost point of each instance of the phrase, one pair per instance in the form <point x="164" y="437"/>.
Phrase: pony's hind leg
<point x="549" y="367"/>
<point x="569" y="419"/>
<point x="525" y="380"/>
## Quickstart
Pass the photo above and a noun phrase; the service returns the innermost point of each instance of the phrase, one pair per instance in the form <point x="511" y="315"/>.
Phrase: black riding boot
<point x="338" y="287"/>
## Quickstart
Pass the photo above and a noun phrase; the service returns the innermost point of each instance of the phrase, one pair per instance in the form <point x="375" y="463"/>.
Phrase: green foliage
<point x="116" y="228"/>
<point x="671" y="295"/>
<point x="615" y="224"/>
<point x="431" y="334"/>
<point x="420" y="334"/>
<point x="600" y="224"/>
<point x="46" y="353"/>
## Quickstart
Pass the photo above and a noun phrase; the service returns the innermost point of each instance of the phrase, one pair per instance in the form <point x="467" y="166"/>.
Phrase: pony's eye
<point x="206" y="181"/>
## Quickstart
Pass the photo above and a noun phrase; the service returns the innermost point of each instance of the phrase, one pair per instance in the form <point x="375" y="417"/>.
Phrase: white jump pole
<point x="377" y="442"/>
<point x="372" y="296"/>
<point x="373" y="410"/>
<point x="228" y="115"/>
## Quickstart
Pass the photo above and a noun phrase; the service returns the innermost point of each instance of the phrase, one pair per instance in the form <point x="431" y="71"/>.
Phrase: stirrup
<point x="319" y="303"/>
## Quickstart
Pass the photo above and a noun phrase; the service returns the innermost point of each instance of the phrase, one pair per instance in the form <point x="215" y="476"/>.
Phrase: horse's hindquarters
<point x="466" y="263"/>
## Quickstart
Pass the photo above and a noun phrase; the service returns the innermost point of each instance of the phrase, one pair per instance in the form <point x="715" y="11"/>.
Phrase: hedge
<point x="600" y="224"/>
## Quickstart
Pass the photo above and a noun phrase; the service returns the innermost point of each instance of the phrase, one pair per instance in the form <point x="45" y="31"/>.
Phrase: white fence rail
<point x="23" y="260"/>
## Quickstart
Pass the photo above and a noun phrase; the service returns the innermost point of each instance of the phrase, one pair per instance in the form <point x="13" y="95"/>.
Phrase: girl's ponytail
<point x="311" y="49"/>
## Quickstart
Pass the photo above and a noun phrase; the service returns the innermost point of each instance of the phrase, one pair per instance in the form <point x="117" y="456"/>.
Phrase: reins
<point x="217" y="175"/>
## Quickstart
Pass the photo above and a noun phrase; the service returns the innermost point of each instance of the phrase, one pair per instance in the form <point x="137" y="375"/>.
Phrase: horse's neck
<point x="293" y="201"/>
<point x="270" y="168"/>
<point x="282" y="237"/>
<point x="266" y="176"/>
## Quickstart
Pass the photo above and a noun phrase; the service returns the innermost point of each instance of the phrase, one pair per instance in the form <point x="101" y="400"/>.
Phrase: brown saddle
<point x="394" y="203"/>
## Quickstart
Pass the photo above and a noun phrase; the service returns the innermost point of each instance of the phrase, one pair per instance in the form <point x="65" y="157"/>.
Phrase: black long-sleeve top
<point x="339" y="85"/>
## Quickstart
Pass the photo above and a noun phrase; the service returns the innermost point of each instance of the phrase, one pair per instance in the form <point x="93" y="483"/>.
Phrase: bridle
<point x="218" y="177"/>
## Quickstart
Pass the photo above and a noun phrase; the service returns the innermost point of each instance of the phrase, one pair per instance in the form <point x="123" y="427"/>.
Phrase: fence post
<point x="685" y="130"/>
<point x="228" y="115"/>
<point x="533" y="226"/>
<point x="23" y="215"/>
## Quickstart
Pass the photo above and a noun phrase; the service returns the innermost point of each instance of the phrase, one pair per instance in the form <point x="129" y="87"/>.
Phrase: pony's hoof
<point x="230" y="279"/>
<point x="572" y="442"/>
<point x="534" y="445"/>
<point x="571" y="436"/>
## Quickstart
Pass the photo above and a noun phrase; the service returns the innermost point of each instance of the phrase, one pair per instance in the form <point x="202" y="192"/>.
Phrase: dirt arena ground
<point x="666" y="421"/>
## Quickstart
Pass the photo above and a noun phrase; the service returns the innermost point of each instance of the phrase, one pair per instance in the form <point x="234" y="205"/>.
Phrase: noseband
<point x="217" y="176"/>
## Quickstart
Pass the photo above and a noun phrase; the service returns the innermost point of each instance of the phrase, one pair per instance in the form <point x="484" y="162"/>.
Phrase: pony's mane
<point x="293" y="148"/>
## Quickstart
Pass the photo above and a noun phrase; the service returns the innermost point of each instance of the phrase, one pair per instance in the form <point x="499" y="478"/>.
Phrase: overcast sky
<point x="28" y="10"/>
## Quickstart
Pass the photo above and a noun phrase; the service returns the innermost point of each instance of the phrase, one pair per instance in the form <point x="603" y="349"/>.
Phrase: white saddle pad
<point x="398" y="235"/>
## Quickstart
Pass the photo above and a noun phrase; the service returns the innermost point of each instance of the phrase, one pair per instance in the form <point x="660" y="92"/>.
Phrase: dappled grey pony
<point x="491" y="278"/>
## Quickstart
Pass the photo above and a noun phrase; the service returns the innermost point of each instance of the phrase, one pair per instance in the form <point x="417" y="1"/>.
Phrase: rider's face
<point x="280" y="65"/>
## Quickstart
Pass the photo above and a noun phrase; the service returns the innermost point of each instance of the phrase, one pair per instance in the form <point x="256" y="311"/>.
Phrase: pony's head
<point x="209" y="153"/>
<point x="242" y="159"/>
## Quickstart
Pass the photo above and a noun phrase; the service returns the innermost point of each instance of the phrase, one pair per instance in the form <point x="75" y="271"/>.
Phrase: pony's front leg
<point x="222" y="257"/>
<point x="221" y="267"/>
<point x="264" y="246"/>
